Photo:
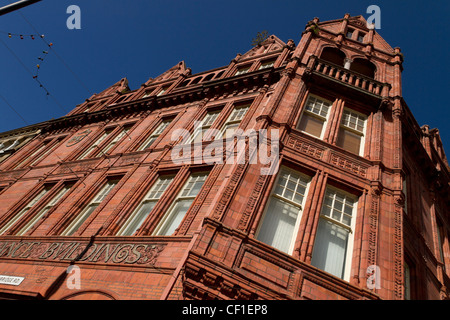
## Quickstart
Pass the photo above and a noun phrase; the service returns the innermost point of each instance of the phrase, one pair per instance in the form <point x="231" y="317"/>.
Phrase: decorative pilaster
<point x="399" y="203"/>
<point x="304" y="247"/>
<point x="396" y="115"/>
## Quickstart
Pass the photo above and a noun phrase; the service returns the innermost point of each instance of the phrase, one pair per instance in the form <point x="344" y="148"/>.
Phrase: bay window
<point x="281" y="218"/>
<point x="314" y="116"/>
<point x="352" y="131"/>
<point x="334" y="237"/>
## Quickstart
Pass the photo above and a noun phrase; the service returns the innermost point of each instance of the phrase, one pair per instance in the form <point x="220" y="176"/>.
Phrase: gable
<point x="271" y="44"/>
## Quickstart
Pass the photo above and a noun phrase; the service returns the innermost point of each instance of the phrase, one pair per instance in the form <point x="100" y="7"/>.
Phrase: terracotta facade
<point x="109" y="202"/>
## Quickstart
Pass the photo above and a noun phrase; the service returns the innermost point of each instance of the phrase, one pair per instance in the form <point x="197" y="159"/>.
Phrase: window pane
<point x="73" y="227"/>
<point x="75" y="224"/>
<point x="230" y="129"/>
<point x="118" y="138"/>
<point x="318" y="106"/>
<point x="277" y="228"/>
<point x="22" y="212"/>
<point x="311" y="125"/>
<point x="353" y="120"/>
<point x="162" y="126"/>
<point x="291" y="186"/>
<point x="154" y="135"/>
<point x="210" y="118"/>
<point x="147" y="143"/>
<point x="242" y="71"/>
<point x="142" y="211"/>
<point x="176" y="215"/>
<point x="330" y="248"/>
<point x="407" y="281"/>
<point x="137" y="219"/>
<point x="43" y="211"/>
<point x="182" y="204"/>
<point x="238" y="113"/>
<point x="267" y="64"/>
<point x="349" y="141"/>
<point x="104" y="192"/>
<point x="339" y="205"/>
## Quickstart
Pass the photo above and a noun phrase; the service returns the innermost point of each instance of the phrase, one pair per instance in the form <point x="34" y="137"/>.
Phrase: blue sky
<point x="139" y="39"/>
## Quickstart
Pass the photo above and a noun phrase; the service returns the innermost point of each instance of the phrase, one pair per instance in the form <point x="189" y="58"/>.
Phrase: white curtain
<point x="330" y="248"/>
<point x="175" y="217"/>
<point x="278" y="226"/>
<point x="138" y="218"/>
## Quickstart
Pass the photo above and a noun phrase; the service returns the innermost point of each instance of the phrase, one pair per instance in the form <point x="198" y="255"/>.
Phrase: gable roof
<point x="272" y="43"/>
<point x="172" y="73"/>
<point x="358" y="22"/>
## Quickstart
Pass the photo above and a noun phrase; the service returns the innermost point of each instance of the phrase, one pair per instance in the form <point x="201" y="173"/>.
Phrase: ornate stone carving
<point x="304" y="147"/>
<point x="109" y="253"/>
<point x="249" y="208"/>
<point x="349" y="165"/>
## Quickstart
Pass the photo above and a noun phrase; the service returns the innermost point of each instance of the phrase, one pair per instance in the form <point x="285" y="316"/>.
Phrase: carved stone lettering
<point x="115" y="253"/>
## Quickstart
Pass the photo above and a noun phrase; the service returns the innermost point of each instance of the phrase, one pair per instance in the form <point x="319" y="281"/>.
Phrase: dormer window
<point x="266" y="64"/>
<point x="162" y="91"/>
<point x="361" y="36"/>
<point x="242" y="70"/>
<point x="350" y="33"/>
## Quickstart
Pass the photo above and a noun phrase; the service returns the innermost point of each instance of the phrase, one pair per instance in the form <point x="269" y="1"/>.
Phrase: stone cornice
<point x="257" y="78"/>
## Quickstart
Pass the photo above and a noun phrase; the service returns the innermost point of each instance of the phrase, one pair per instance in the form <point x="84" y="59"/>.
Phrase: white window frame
<point x="162" y="91"/>
<point x="103" y="137"/>
<point x="50" y="204"/>
<point x="166" y="221"/>
<point x="267" y="64"/>
<point x="351" y="228"/>
<point x="150" y="197"/>
<point x="242" y="70"/>
<point x="231" y="120"/>
<point x="93" y="204"/>
<point x="29" y="206"/>
<point x="205" y="125"/>
<point x="10" y="146"/>
<point x="362" y="134"/>
<point x="45" y="144"/>
<point x="118" y="138"/>
<point x="315" y="115"/>
<point x="300" y="206"/>
<point x="154" y="135"/>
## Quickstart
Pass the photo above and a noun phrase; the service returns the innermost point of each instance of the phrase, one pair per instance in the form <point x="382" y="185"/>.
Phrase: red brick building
<point x="110" y="202"/>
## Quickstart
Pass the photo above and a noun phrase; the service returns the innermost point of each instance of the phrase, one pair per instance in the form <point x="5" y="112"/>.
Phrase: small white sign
<point x="15" y="281"/>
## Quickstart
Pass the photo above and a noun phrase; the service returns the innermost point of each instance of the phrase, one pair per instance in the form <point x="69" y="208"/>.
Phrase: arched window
<point x="209" y="77"/>
<point x="219" y="74"/>
<point x="364" y="67"/>
<point x="333" y="55"/>
<point x="196" y="80"/>
<point x="185" y="83"/>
